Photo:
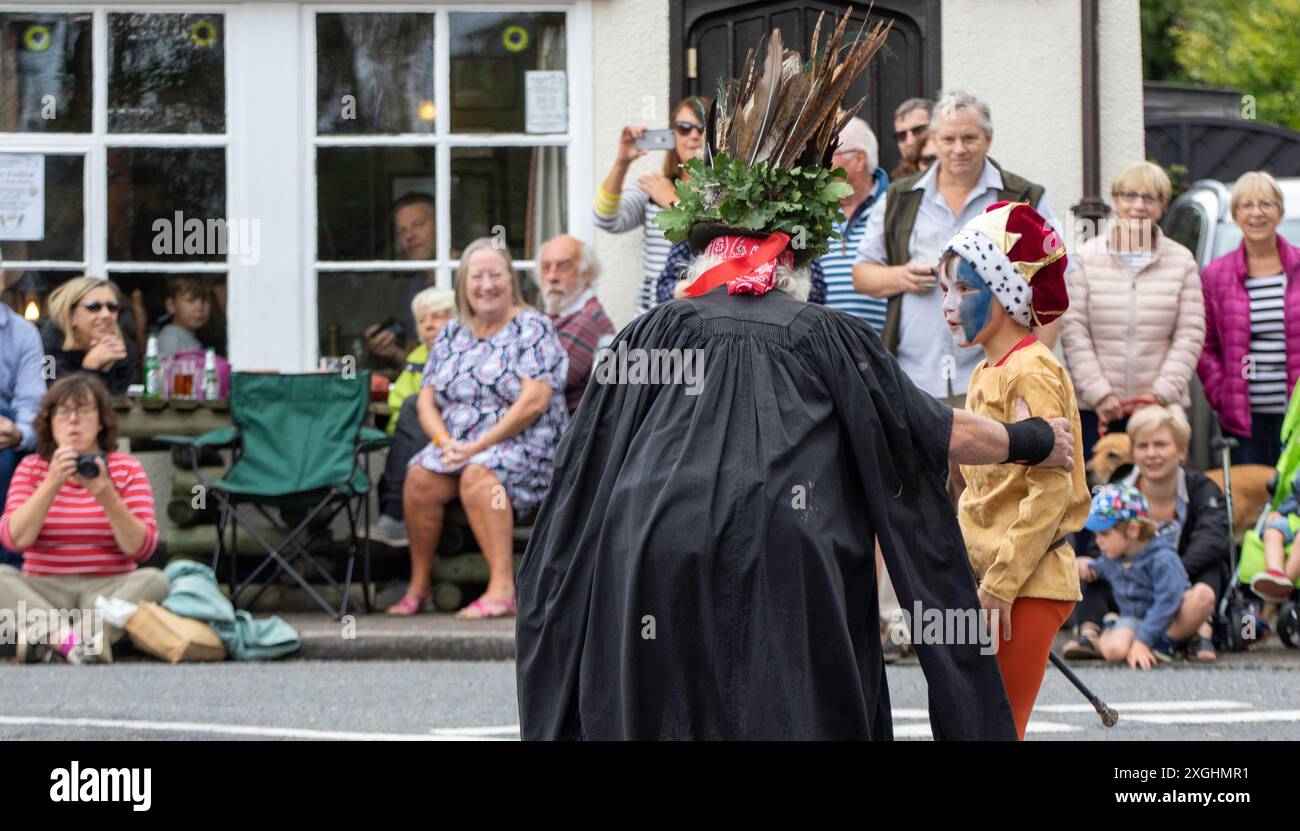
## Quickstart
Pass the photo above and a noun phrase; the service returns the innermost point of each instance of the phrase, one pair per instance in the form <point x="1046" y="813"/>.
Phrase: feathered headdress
<point x="768" y="141"/>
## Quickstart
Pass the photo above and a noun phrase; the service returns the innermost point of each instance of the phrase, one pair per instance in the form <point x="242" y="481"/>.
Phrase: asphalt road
<point x="393" y="700"/>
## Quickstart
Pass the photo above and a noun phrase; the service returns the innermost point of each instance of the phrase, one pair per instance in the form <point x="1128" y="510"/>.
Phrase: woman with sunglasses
<point x="89" y="337"/>
<point x="620" y="209"/>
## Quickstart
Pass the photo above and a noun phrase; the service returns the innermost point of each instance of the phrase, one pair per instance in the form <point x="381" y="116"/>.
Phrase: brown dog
<point x="1249" y="482"/>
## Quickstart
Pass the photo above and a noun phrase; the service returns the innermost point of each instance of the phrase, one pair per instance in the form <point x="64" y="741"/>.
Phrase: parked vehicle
<point x="1201" y="219"/>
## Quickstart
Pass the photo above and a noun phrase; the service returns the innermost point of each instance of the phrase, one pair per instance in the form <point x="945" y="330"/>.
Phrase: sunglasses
<point x="95" y="305"/>
<point x="928" y="160"/>
<point x="916" y="132"/>
<point x="684" y="128"/>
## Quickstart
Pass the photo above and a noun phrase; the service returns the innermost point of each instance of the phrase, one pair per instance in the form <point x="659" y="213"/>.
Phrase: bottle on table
<point x="153" y="376"/>
<point x="211" y="385"/>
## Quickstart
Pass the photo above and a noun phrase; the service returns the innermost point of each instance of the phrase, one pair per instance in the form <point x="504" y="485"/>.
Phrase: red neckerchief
<point x="1029" y="340"/>
<point x="748" y="267"/>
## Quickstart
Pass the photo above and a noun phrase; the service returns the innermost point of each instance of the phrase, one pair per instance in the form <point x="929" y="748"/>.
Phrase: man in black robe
<point x="703" y="566"/>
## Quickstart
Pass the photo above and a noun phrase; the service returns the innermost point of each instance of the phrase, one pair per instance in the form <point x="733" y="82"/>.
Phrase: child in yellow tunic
<point x="1002" y="275"/>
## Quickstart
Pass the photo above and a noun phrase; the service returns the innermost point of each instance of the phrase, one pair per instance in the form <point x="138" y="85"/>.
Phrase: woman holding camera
<point x="619" y="209"/>
<point x="82" y="514"/>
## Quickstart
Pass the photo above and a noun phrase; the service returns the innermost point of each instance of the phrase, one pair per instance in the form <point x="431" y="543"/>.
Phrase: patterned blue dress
<point x="477" y="380"/>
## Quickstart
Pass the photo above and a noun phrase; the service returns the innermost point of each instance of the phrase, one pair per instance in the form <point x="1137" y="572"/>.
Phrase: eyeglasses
<point x="95" y="305"/>
<point x="916" y="132"/>
<point x="1265" y="207"/>
<point x="1130" y="196"/>
<point x="65" y="412"/>
<point x="684" y="128"/>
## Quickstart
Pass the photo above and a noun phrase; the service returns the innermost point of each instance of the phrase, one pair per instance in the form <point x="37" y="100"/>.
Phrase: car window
<point x="1185" y="225"/>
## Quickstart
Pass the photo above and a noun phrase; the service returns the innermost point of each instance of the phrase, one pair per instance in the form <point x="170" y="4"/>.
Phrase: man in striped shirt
<point x="82" y="536"/>
<point x="858" y="154"/>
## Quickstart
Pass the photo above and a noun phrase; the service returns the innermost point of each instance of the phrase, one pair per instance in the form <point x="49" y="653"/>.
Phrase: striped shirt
<point x="837" y="264"/>
<point x="1268" y="392"/>
<point x="635" y="209"/>
<point x="76" y="537"/>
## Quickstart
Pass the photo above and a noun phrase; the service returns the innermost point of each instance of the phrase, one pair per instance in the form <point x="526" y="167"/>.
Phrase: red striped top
<point x="77" y="537"/>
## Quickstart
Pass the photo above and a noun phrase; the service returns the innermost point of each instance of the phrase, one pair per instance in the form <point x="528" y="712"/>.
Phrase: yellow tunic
<point x="1012" y="514"/>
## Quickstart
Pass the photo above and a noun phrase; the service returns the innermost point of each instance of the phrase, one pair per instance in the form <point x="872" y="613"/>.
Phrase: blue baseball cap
<point x="1112" y="504"/>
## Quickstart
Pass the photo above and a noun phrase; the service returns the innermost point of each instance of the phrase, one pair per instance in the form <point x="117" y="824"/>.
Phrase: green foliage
<point x="1254" y="47"/>
<point x="803" y="202"/>
<point x="1158" y="60"/>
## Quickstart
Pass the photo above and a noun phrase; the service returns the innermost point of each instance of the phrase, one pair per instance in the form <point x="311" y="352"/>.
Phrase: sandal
<point x="1198" y="645"/>
<point x="484" y="608"/>
<point x="408" y="606"/>
<point x="1083" y="648"/>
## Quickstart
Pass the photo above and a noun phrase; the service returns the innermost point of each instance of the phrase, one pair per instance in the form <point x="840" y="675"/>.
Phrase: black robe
<point x="703" y="566"/>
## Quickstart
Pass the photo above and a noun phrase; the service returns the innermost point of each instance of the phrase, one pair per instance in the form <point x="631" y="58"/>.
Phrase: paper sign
<point x="22" y="196"/>
<point x="546" y="104"/>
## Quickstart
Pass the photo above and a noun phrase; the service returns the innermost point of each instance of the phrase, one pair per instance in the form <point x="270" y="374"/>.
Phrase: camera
<point x="87" y="467"/>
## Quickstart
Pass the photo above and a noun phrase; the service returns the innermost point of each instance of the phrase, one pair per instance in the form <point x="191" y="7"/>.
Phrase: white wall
<point x="1033" y="86"/>
<point x="630" y="79"/>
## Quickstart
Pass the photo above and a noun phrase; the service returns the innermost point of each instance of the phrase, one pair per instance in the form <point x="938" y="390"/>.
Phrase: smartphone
<point x="657" y="140"/>
<point x="395" y="326"/>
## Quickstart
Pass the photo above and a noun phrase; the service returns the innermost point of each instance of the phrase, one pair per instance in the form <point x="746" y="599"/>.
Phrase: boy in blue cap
<point x="1149" y="582"/>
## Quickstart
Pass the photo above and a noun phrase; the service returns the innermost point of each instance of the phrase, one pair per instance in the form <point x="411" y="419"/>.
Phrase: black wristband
<point x="1029" y="442"/>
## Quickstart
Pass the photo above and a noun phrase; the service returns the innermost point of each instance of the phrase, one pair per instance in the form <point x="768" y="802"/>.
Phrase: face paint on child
<point x="967" y="300"/>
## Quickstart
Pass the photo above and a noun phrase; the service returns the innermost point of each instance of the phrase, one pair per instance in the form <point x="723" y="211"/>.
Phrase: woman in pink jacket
<point x="1136" y="321"/>
<point x="1252" y="321"/>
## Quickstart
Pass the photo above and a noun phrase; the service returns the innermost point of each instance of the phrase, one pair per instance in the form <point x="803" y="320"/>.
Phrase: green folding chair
<point x="299" y="445"/>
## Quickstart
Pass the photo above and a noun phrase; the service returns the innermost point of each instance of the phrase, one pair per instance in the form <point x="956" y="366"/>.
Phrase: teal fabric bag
<point x="195" y="594"/>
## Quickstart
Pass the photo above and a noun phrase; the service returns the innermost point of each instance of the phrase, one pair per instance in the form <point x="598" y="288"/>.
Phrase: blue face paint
<point x="975" y="308"/>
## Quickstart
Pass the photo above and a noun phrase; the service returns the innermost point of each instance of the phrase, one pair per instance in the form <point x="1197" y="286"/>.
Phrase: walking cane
<point x="1107" y="713"/>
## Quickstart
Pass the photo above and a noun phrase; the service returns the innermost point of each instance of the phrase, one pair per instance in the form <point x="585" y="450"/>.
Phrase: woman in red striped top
<point x="81" y="537"/>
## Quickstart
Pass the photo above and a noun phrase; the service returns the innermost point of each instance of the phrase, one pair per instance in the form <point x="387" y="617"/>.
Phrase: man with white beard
<point x="567" y="271"/>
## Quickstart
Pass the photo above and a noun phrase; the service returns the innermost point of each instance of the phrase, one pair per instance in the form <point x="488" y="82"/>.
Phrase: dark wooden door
<point x="711" y="37"/>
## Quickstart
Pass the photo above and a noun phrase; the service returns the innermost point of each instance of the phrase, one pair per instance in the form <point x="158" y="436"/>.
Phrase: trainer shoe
<point x="389" y="531"/>
<point x="1271" y="585"/>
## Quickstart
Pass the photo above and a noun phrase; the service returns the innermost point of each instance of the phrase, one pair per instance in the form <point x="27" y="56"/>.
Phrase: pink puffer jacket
<point x="1227" y="334"/>
<point x="1133" y="334"/>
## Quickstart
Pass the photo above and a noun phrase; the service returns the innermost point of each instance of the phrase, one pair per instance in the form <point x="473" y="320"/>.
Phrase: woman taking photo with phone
<point x="82" y="515"/>
<point x="620" y="209"/>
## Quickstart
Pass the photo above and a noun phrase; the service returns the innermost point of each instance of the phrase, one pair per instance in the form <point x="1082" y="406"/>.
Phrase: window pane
<point x="166" y="73"/>
<point x="29" y="291"/>
<point x="45" y="73"/>
<point x="167" y="205"/>
<point x="520" y="189"/>
<point x="491" y="55"/>
<point x="154" y="289"/>
<point x="64" y="214"/>
<point x="356" y="192"/>
<point x="374" y="73"/>
<point x="349" y="302"/>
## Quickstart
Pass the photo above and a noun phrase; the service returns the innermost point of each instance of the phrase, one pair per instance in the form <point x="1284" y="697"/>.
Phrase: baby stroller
<point x="1280" y="487"/>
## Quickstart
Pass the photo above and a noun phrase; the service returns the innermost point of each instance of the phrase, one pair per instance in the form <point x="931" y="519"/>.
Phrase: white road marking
<point x="1217" y="718"/>
<point x="922" y="731"/>
<point x="508" y="729"/>
<point x="1144" y="706"/>
<point x="236" y="729"/>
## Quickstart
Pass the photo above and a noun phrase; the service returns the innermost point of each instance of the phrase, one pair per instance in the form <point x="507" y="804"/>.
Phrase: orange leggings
<point x="1023" y="659"/>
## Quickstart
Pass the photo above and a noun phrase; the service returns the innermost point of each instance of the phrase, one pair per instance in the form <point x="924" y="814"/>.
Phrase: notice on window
<point x="22" y="196"/>
<point x="546" y="102"/>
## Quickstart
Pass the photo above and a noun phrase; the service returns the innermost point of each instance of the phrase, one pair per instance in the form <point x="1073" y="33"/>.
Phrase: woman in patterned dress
<point x="492" y="403"/>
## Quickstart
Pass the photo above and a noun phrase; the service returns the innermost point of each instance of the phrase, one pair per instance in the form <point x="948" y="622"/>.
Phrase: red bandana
<point x="748" y="267"/>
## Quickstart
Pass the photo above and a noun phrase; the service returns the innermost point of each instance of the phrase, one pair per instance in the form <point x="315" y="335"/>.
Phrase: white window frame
<point x="576" y="141"/>
<point x="94" y="146"/>
<point x="270" y="142"/>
